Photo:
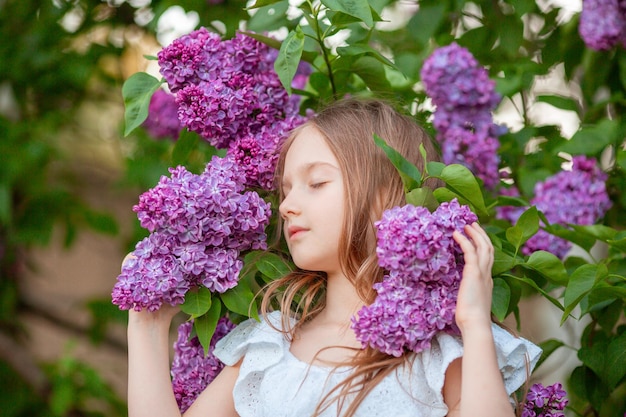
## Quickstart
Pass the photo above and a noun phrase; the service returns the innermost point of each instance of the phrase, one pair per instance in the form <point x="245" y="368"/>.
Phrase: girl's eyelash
<point x="317" y="184"/>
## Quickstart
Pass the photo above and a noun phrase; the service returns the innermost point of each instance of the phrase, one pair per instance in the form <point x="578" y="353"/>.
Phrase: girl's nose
<point x="288" y="206"/>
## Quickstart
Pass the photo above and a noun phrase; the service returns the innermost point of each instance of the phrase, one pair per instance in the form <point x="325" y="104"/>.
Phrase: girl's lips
<point x="294" y="231"/>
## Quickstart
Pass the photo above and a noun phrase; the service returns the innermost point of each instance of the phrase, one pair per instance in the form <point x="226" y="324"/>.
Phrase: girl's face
<point x="313" y="204"/>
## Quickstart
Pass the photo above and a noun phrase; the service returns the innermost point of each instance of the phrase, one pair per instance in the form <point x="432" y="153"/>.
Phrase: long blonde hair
<point x="372" y="185"/>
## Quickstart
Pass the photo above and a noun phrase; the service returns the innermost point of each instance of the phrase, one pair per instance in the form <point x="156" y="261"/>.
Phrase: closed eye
<point x="316" y="185"/>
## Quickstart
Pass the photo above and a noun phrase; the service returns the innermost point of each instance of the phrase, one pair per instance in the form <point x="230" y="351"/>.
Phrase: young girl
<point x="334" y="183"/>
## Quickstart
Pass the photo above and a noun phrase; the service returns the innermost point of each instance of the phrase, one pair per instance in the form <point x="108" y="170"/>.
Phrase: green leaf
<point x="602" y="292"/>
<point x="598" y="231"/>
<point x="608" y="315"/>
<point x="580" y="284"/>
<point x="616" y="361"/>
<point x="511" y="34"/>
<point x="584" y="383"/>
<point x="269" y="17"/>
<point x="549" y="266"/>
<point x="461" y="180"/>
<point x="422" y="197"/>
<point x="411" y="177"/>
<point x="434" y="168"/>
<point x="286" y="63"/>
<point x="424" y="24"/>
<point x="197" y="302"/>
<point x="548" y="347"/>
<point x="523" y="7"/>
<point x="445" y="194"/>
<point x="595" y="357"/>
<point x="240" y="300"/>
<point x="371" y="72"/>
<point x="187" y="142"/>
<point x="206" y="324"/>
<point x="360" y="49"/>
<point x="527" y="225"/>
<point x="560" y="102"/>
<point x="591" y="140"/>
<point x="137" y="92"/>
<point x="540" y="290"/>
<point x="619" y="244"/>
<point x="502" y="262"/>
<point x="584" y="240"/>
<point x="356" y="8"/>
<point x="5" y="204"/>
<point x="500" y="299"/>
<point x="272" y="266"/>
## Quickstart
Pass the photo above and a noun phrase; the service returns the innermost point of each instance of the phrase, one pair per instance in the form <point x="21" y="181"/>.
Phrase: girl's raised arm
<point x="149" y="385"/>
<point x="150" y="391"/>
<point x="474" y="385"/>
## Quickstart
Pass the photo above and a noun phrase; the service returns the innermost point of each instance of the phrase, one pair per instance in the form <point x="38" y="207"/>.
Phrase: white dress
<point x="274" y="383"/>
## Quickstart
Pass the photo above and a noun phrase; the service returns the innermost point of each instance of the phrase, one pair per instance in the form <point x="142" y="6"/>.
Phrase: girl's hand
<point x="162" y="317"/>
<point x="474" y="299"/>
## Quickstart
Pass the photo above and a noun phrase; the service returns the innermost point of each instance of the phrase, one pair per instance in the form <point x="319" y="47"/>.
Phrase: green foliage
<point x="77" y="387"/>
<point x="137" y="92"/>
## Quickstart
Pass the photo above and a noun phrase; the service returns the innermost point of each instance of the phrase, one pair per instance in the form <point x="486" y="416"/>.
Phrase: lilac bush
<point x="544" y="401"/>
<point x="228" y="92"/>
<point x="417" y="297"/>
<point x="192" y="371"/>
<point x="577" y="196"/>
<point x="225" y="89"/>
<point x="603" y="24"/>
<point x="198" y="225"/>
<point x="464" y="97"/>
<point x="162" y="121"/>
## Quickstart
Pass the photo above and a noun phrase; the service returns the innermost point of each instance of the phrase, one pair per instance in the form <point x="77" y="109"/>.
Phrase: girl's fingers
<point x="482" y="245"/>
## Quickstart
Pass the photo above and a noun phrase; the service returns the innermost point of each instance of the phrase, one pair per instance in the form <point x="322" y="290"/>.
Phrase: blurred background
<point x="69" y="179"/>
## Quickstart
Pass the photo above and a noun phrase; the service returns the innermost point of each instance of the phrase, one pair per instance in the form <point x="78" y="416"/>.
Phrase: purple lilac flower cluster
<point x="578" y="197"/>
<point x="465" y="96"/>
<point x="191" y="370"/>
<point x="543" y="401"/>
<point x="228" y="92"/>
<point x="417" y="298"/>
<point x="162" y="121"/>
<point x="256" y="154"/>
<point x="603" y="24"/>
<point x="198" y="226"/>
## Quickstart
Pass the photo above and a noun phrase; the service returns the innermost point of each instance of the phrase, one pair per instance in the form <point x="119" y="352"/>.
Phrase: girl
<point x="334" y="183"/>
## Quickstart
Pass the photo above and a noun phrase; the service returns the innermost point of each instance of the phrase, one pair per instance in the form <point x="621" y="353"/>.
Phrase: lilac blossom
<point x="577" y="196"/>
<point x="192" y="371"/>
<point x="162" y="121"/>
<point x="464" y="97"/>
<point x="602" y="24"/>
<point x="185" y="60"/>
<point x="257" y="155"/>
<point x="453" y="78"/>
<point x="544" y="401"/>
<point x="417" y="297"/>
<point x="198" y="226"/>
<point x="226" y="89"/>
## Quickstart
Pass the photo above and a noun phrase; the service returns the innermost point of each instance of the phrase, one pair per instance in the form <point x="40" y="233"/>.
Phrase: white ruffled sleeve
<point x="516" y="357"/>
<point x="261" y="347"/>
